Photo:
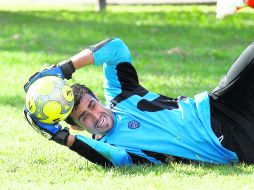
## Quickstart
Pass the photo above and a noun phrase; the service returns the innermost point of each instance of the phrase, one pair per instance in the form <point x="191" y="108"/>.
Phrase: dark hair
<point x="78" y="91"/>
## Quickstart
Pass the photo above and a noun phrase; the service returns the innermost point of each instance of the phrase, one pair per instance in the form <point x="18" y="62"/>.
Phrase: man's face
<point x="92" y="116"/>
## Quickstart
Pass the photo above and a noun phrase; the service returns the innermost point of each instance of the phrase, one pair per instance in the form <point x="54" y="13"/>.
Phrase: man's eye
<point x="83" y="118"/>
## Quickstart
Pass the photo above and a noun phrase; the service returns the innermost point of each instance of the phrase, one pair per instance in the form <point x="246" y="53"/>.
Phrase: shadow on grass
<point x="187" y="170"/>
<point x="65" y="31"/>
<point x="150" y="36"/>
<point x="12" y="100"/>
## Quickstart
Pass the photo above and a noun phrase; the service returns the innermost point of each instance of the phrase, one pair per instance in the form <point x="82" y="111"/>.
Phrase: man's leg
<point x="232" y="107"/>
<point x="242" y="66"/>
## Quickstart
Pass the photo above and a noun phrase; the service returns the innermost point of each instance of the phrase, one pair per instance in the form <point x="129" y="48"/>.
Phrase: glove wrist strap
<point x="67" y="68"/>
<point x="62" y="136"/>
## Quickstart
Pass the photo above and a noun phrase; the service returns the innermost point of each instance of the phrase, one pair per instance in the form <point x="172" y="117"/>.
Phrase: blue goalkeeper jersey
<point x="149" y="127"/>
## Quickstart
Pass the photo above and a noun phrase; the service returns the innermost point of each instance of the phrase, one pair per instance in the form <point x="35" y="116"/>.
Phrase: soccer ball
<point x="50" y="99"/>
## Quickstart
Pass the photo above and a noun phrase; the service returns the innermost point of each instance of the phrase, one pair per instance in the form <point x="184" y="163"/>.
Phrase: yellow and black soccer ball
<point x="50" y="99"/>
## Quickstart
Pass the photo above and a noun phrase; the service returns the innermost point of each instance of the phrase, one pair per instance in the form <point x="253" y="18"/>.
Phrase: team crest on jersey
<point x="133" y="124"/>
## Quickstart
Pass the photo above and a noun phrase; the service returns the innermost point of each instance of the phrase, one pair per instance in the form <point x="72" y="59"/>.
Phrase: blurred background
<point x="100" y="4"/>
<point x="178" y="48"/>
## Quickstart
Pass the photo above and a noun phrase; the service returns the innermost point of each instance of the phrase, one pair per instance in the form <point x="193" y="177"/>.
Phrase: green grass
<point x="178" y="50"/>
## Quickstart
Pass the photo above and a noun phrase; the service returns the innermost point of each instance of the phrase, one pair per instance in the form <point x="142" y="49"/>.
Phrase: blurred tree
<point x="101" y="5"/>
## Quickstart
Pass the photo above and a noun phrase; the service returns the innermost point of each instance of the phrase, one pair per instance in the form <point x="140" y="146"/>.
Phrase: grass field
<point x="179" y="50"/>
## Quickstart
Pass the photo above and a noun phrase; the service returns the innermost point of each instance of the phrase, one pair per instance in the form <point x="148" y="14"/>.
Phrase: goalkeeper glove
<point x="50" y="131"/>
<point x="63" y="70"/>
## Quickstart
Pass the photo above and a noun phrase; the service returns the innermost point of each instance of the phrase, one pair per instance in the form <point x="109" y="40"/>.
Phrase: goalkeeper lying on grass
<point x="139" y="126"/>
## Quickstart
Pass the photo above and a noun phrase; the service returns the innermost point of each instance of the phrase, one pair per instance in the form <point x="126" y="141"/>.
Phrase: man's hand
<point x="63" y="70"/>
<point x="50" y="131"/>
<point x="47" y="130"/>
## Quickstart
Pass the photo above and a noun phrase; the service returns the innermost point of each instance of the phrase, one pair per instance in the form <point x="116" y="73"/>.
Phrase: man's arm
<point x="98" y="152"/>
<point x="82" y="59"/>
<point x="112" y="50"/>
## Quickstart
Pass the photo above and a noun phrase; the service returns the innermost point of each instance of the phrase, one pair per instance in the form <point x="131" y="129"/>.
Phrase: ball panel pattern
<point x="50" y="99"/>
<point x="30" y="104"/>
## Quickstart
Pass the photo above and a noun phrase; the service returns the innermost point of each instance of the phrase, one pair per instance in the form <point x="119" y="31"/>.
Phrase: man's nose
<point x="95" y="115"/>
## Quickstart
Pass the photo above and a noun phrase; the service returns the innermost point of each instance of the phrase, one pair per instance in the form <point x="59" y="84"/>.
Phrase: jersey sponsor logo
<point x="133" y="124"/>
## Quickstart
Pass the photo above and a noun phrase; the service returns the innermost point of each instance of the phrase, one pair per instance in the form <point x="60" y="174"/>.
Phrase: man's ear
<point x="75" y="127"/>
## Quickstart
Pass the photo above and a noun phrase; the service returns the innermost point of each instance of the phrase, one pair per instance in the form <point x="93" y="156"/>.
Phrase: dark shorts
<point x="232" y="107"/>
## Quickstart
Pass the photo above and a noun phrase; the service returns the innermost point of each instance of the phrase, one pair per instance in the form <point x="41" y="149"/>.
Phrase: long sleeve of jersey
<point x="111" y="52"/>
<point x="100" y="153"/>
<point x="119" y="73"/>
